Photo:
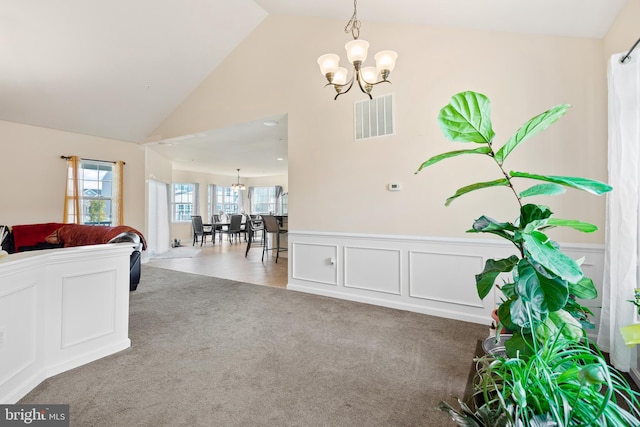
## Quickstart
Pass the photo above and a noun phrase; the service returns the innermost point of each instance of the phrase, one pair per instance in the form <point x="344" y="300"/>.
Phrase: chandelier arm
<point x="339" y="88"/>
<point x="376" y="83"/>
<point x="365" y="89"/>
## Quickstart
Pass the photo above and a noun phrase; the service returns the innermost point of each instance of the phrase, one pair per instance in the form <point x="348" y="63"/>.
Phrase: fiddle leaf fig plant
<point x="553" y="375"/>
<point x="545" y="283"/>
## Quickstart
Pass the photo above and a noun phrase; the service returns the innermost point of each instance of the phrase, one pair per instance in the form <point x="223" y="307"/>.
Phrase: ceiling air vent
<point x="374" y="117"/>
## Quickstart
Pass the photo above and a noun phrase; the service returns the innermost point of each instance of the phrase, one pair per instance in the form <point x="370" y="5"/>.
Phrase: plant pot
<point x="494" y="346"/>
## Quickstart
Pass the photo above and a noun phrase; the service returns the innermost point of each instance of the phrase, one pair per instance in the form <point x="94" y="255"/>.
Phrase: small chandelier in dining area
<point x="367" y="77"/>
<point x="238" y="186"/>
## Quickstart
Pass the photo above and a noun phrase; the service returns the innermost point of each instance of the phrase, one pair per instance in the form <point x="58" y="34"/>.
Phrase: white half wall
<point x="60" y="309"/>
<point x="430" y="275"/>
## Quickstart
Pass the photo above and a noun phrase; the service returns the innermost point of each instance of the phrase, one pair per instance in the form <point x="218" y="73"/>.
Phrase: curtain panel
<point x="621" y="230"/>
<point x="71" y="213"/>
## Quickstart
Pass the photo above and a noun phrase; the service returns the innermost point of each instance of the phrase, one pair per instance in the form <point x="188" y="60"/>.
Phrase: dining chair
<point x="271" y="226"/>
<point x="234" y="229"/>
<point x="199" y="230"/>
<point x="215" y="218"/>
<point x="246" y="218"/>
<point x="253" y="231"/>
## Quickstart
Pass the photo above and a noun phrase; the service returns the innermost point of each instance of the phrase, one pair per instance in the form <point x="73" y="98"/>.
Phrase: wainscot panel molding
<point x="60" y="309"/>
<point x="430" y="275"/>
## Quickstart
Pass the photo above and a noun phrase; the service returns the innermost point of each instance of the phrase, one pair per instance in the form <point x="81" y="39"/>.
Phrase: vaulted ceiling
<point x="118" y="68"/>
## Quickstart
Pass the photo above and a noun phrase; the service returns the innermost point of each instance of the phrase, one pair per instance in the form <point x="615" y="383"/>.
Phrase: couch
<point x="30" y="237"/>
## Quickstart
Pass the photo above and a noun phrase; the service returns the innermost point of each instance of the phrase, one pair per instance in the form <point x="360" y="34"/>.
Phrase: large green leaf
<point x="585" y="227"/>
<point x="492" y="268"/>
<point x="531" y="128"/>
<point x="556" y="290"/>
<point x="476" y="186"/>
<point x="484" y="224"/>
<point x="584" y="289"/>
<point x="504" y="314"/>
<point x="467" y="118"/>
<point x="520" y="346"/>
<point x="435" y="159"/>
<point x="585" y="184"/>
<point x="531" y="212"/>
<point x="543" y="251"/>
<point x="523" y="315"/>
<point x="528" y="286"/>
<point x="543" y="190"/>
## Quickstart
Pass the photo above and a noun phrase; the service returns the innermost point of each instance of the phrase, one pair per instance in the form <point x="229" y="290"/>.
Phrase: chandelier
<point x="367" y="77"/>
<point x="238" y="186"/>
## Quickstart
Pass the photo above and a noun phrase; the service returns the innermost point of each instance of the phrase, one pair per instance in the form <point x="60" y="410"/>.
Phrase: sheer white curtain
<point x="158" y="237"/>
<point x="623" y="215"/>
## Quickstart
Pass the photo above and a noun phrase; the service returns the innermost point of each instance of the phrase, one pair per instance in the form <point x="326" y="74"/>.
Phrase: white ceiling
<point x="118" y="68"/>
<point x="258" y="149"/>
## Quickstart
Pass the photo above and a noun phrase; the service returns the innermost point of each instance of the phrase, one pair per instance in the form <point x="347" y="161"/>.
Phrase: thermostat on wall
<point x="393" y="187"/>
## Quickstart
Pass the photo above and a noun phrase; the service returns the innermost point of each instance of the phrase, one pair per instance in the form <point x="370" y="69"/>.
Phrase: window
<point x="97" y="193"/>
<point x="184" y="199"/>
<point x="226" y="200"/>
<point x="263" y="200"/>
<point x="284" y="204"/>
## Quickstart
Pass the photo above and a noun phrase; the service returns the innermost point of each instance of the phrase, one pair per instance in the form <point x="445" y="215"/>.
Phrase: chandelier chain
<point x="353" y="25"/>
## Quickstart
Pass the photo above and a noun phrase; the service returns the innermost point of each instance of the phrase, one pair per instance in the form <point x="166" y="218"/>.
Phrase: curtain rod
<point x="627" y="57"/>
<point x="92" y="160"/>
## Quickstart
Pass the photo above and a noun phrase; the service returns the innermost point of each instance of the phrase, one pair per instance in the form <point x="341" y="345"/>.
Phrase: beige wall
<point x="158" y="167"/>
<point x="33" y="175"/>
<point x="336" y="184"/>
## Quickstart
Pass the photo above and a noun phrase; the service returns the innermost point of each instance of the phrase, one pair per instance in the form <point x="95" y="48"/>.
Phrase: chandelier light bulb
<point x="328" y="64"/>
<point x="340" y="76"/>
<point x="357" y="50"/>
<point x="369" y="75"/>
<point x="385" y="62"/>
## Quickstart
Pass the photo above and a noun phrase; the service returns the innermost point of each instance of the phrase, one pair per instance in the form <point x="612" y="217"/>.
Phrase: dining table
<point x="217" y="226"/>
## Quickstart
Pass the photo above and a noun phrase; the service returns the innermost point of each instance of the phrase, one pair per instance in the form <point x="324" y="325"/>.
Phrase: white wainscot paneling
<point x="372" y="269"/>
<point x="431" y="275"/>
<point x="88" y="307"/>
<point x="315" y="262"/>
<point x="17" y="344"/>
<point x="60" y="309"/>
<point x="444" y="277"/>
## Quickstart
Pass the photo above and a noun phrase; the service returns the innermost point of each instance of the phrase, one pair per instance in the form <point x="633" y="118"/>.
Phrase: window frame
<point x="272" y="202"/>
<point x="104" y="172"/>
<point x="186" y="214"/>
<point x="221" y="202"/>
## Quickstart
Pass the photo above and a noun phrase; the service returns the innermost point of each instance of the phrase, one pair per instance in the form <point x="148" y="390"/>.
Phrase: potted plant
<point x="564" y="383"/>
<point x="543" y="286"/>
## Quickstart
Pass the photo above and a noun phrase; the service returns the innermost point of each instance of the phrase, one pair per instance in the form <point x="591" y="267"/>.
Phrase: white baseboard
<point x="449" y="314"/>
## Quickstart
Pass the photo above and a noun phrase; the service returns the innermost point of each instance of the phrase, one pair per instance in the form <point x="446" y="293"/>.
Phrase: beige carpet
<point x="213" y="352"/>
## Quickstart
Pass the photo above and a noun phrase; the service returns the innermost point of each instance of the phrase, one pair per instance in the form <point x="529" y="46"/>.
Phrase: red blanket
<point x="80" y="235"/>
<point x="68" y="234"/>
<point x="32" y="234"/>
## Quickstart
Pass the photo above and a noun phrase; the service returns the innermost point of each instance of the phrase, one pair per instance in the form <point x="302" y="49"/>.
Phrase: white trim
<point x="434" y="289"/>
<point x="586" y="247"/>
